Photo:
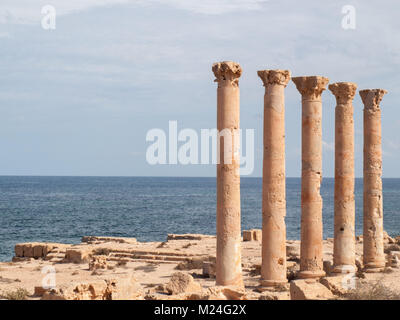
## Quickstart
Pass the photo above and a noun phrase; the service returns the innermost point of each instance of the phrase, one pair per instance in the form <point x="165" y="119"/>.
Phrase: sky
<point x="80" y="99"/>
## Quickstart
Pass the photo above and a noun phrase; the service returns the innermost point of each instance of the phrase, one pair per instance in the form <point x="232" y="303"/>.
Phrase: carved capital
<point x="281" y="77"/>
<point x="371" y="98"/>
<point x="343" y="91"/>
<point x="227" y="73"/>
<point x="311" y="87"/>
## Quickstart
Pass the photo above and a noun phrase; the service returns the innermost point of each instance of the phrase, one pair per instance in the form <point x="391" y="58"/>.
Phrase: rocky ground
<point x="182" y="267"/>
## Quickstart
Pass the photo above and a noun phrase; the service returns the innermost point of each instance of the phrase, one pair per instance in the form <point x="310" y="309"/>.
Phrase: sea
<point x="63" y="209"/>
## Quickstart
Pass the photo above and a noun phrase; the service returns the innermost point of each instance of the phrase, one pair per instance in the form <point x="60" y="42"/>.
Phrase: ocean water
<point x="63" y="209"/>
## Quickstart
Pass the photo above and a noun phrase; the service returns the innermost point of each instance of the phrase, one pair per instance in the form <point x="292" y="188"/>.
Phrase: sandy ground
<point x="153" y="263"/>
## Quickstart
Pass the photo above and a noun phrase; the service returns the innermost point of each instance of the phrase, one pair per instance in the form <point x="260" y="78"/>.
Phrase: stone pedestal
<point x="344" y="233"/>
<point x="273" y="268"/>
<point x="311" y="251"/>
<point x="373" y="250"/>
<point x="228" y="264"/>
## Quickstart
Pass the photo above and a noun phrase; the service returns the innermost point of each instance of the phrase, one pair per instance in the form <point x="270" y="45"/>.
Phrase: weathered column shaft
<point x="373" y="250"/>
<point x="344" y="234"/>
<point x="311" y="249"/>
<point x="273" y="268"/>
<point x="228" y="264"/>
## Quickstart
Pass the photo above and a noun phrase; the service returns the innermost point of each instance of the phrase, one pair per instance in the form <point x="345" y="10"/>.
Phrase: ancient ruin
<point x="185" y="266"/>
<point x="374" y="257"/>
<point x="311" y="88"/>
<point x="344" y="217"/>
<point x="182" y="267"/>
<point x="273" y="268"/>
<point x="229" y="266"/>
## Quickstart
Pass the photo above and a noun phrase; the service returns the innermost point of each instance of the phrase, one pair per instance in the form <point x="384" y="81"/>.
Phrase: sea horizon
<point x="148" y="176"/>
<point x="66" y="208"/>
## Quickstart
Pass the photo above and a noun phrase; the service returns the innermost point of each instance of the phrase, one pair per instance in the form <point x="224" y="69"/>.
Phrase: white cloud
<point x="5" y="35"/>
<point x="328" y="146"/>
<point x="26" y="12"/>
<point x="214" y="6"/>
<point x="393" y="145"/>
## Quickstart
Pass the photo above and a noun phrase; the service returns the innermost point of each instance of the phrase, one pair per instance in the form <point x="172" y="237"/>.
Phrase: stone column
<point x="373" y="255"/>
<point x="273" y="268"/>
<point x="344" y="234"/>
<point x="228" y="265"/>
<point x="311" y="251"/>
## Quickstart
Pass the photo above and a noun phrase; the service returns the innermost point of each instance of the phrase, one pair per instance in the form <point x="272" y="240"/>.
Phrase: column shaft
<point x="228" y="264"/>
<point x="344" y="219"/>
<point x="373" y="249"/>
<point x="273" y="268"/>
<point x="311" y="249"/>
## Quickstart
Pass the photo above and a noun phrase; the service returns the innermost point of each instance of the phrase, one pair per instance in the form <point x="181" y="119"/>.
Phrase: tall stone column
<point x="311" y="250"/>
<point x="373" y="254"/>
<point x="344" y="234"/>
<point x="273" y="268"/>
<point x="228" y="266"/>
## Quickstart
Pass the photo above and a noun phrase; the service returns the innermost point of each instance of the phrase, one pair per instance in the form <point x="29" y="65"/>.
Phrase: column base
<point x="373" y="270"/>
<point x="272" y="283"/>
<point x="238" y="283"/>
<point x="344" y="269"/>
<point x="374" y="267"/>
<point x="310" y="274"/>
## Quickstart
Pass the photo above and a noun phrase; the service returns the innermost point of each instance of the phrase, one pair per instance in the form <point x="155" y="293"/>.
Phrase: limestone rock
<point x="388" y="239"/>
<point x="39" y="291"/>
<point x="209" y="269"/>
<point x="36" y="250"/>
<point x="188" y="237"/>
<point x="191" y="264"/>
<point x="359" y="263"/>
<point x="275" y="296"/>
<point x="98" y="262"/>
<point x="96" y="290"/>
<point x="309" y="290"/>
<point x="292" y="269"/>
<point x="77" y="255"/>
<point x="338" y="285"/>
<point x="252" y="235"/>
<point x="182" y="283"/>
<point x="394" y="259"/>
<point x="216" y="293"/>
<point x="95" y="239"/>
<point x="225" y="293"/>
<point x="121" y="289"/>
<point x="293" y="251"/>
<point x="327" y="265"/>
<point x="126" y="289"/>
<point x="391" y="247"/>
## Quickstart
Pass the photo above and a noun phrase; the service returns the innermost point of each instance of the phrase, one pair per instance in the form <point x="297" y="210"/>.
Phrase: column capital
<point x="281" y="77"/>
<point x="311" y="87"/>
<point x="372" y="97"/>
<point x="343" y="91"/>
<point x="227" y="73"/>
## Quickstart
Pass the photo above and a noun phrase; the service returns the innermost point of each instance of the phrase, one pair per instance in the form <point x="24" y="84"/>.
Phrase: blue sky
<point x="80" y="99"/>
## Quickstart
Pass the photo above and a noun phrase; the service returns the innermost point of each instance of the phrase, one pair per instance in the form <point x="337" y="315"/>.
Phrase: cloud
<point x="26" y="12"/>
<point x="145" y="61"/>
<point x="5" y="35"/>
<point x="214" y="6"/>
<point x="328" y="146"/>
<point x="393" y="145"/>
